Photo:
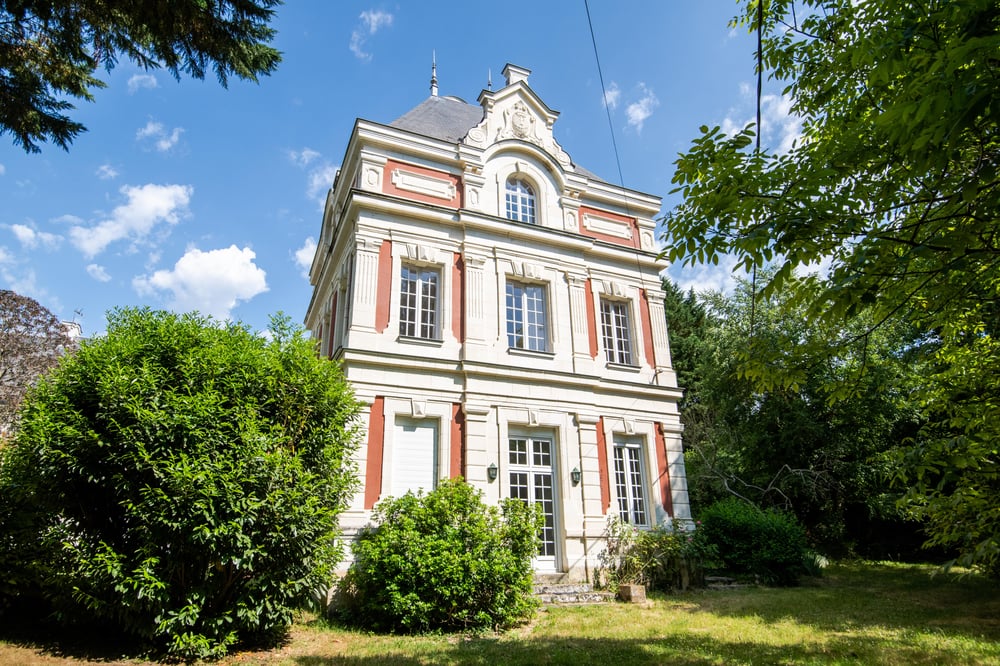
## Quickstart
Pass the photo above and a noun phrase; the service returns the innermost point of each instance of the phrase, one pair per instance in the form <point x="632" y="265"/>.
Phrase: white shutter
<point x="414" y="449"/>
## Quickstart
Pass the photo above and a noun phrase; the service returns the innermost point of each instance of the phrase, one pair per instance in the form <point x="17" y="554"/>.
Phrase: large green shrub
<point x="766" y="544"/>
<point x="443" y="561"/>
<point x="181" y="479"/>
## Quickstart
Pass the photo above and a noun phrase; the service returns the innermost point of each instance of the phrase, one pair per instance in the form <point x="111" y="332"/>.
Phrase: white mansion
<point x="498" y="310"/>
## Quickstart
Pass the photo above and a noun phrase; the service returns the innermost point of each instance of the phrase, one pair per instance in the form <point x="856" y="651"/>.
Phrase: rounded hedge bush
<point x="763" y="543"/>
<point x="180" y="479"/>
<point x="443" y="561"/>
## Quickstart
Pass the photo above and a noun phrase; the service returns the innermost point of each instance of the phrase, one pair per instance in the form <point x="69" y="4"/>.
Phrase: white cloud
<point x="155" y="134"/>
<point x="705" y="277"/>
<point x="106" y="172"/>
<point x="781" y="129"/>
<point x="371" y="23"/>
<point x="639" y="111"/>
<point x="612" y="95"/>
<point x="302" y="157"/>
<point x="146" y="207"/>
<point x="31" y="239"/>
<point x="3" y="169"/>
<point x="137" y="81"/>
<point x="304" y="256"/>
<point x="97" y="272"/>
<point x="320" y="180"/>
<point x="212" y="282"/>
<point x="68" y="219"/>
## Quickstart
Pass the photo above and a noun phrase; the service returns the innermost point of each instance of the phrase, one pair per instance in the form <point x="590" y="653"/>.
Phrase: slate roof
<point x="445" y="118"/>
<point x="450" y="119"/>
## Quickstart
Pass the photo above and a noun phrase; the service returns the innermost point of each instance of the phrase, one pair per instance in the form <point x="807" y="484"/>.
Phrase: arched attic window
<point x="520" y="200"/>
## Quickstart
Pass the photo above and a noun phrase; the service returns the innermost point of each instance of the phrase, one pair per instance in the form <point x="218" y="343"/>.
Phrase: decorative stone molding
<point x="423" y="184"/>
<point x="607" y="226"/>
<point x="418" y="409"/>
<point x="421" y="253"/>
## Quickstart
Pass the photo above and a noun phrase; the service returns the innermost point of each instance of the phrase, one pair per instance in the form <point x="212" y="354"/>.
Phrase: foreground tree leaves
<point x="50" y="51"/>
<point x="181" y="480"/>
<point x="894" y="187"/>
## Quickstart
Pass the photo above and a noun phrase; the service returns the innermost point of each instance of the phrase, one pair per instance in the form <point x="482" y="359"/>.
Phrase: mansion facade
<point x="498" y="311"/>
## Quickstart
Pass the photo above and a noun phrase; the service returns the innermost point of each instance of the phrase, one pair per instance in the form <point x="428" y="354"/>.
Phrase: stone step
<point x="723" y="583"/>
<point x="570" y="593"/>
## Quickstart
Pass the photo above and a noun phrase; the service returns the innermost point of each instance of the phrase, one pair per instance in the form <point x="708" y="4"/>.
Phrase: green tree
<point x="50" y="51"/>
<point x="793" y="447"/>
<point x="180" y="479"/>
<point x="894" y="185"/>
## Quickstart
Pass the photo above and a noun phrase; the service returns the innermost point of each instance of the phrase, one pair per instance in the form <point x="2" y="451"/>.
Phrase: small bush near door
<point x="765" y="544"/>
<point x="443" y="561"/>
<point x="666" y="557"/>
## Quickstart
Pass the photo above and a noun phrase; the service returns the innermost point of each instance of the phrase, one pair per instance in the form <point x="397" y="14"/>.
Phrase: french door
<point x="532" y="480"/>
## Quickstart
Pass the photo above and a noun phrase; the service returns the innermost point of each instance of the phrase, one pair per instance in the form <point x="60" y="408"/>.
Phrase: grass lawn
<point x="855" y="614"/>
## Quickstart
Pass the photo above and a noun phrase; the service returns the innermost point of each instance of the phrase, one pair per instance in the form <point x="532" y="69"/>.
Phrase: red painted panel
<point x="663" y="470"/>
<point x="390" y="188"/>
<point x="591" y="319"/>
<point x="458" y="298"/>
<point x="332" y="328"/>
<point x="617" y="240"/>
<point x="602" y="467"/>
<point x="384" y="286"/>
<point x="647" y="328"/>
<point x="376" y="446"/>
<point x="457" y="441"/>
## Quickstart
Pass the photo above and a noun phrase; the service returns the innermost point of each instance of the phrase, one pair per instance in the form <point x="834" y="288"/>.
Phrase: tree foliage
<point x="32" y="340"/>
<point x="444" y="561"/>
<point x="180" y="480"/>
<point x="894" y="185"/>
<point x="50" y="52"/>
<point x="830" y="462"/>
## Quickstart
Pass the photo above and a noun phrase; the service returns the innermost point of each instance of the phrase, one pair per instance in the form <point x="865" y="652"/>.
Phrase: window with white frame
<point x="520" y="200"/>
<point x="616" y="329"/>
<point x="532" y="480"/>
<point x="527" y="316"/>
<point x="630" y="484"/>
<point x="418" y="302"/>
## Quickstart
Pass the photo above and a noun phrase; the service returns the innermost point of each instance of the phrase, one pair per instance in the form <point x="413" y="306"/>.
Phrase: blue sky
<point x="188" y="196"/>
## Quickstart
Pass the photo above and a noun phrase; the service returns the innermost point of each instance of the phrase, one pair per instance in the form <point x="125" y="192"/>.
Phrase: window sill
<point x="530" y="353"/>
<point x="425" y="342"/>
<point x="623" y="367"/>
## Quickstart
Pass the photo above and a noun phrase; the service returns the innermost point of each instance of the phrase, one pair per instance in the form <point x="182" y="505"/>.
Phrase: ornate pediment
<point x="516" y="113"/>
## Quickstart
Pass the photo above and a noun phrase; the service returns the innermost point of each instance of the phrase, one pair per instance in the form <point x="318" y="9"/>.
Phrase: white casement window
<point x="616" y="329"/>
<point x="418" y="302"/>
<point x="629" y="481"/>
<point x="527" y="317"/>
<point x="520" y="201"/>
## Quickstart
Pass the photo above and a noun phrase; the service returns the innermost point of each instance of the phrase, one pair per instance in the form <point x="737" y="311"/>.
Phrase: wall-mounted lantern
<point x="575" y="476"/>
<point x="491" y="472"/>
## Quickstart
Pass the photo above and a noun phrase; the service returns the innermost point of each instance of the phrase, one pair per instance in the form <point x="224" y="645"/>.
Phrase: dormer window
<point x="520" y="201"/>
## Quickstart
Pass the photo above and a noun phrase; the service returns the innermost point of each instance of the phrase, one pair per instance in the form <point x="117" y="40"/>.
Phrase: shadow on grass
<point x="687" y="650"/>
<point x="858" y="595"/>
<point x="30" y="625"/>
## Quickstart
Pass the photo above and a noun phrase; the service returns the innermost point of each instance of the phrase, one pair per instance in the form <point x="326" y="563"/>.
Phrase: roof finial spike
<point x="489" y="78"/>
<point x="434" y="74"/>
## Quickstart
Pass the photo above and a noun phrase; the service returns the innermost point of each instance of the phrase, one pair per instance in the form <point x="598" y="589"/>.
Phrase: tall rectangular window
<point x="629" y="484"/>
<point x="527" y="317"/>
<point x="418" y="303"/>
<point x="616" y="329"/>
